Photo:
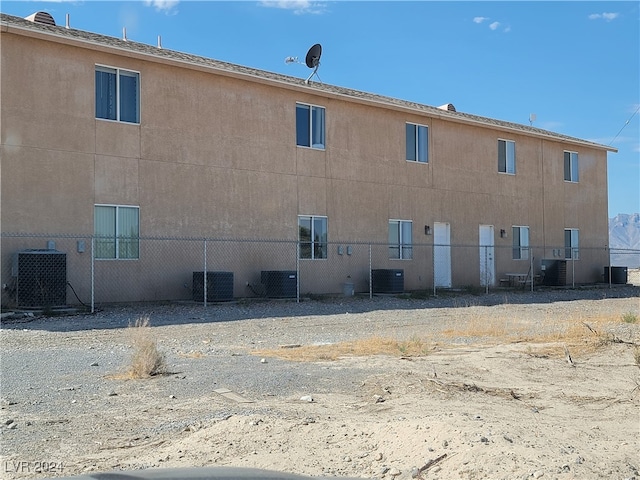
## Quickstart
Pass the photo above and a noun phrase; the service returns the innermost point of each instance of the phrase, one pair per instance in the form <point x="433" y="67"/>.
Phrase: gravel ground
<point x="59" y="403"/>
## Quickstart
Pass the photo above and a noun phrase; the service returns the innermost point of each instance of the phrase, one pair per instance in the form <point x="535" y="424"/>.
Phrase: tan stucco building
<point x="111" y="138"/>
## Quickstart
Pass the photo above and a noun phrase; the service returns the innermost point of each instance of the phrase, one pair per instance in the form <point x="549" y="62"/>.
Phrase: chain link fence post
<point x="574" y="251"/>
<point x="609" y="266"/>
<point x="531" y="271"/>
<point x="297" y="252"/>
<point x="370" y="274"/>
<point x="204" y="276"/>
<point x="93" y="272"/>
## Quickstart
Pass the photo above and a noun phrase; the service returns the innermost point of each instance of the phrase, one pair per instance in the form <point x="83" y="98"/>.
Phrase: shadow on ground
<point x="175" y="313"/>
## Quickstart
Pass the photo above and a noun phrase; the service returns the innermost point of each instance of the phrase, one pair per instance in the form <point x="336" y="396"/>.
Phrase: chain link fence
<point x="41" y="271"/>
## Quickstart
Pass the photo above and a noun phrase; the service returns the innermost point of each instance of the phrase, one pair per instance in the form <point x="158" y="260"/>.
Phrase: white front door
<point x="487" y="265"/>
<point x="442" y="254"/>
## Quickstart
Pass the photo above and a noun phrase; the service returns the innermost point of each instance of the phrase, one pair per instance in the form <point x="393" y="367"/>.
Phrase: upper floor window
<point x="117" y="94"/>
<point x="117" y="232"/>
<point x="400" y="239"/>
<point x="571" y="166"/>
<point x="309" y="126"/>
<point x="571" y="243"/>
<point x="312" y="235"/>
<point x="506" y="156"/>
<point x="520" y="243"/>
<point x="417" y="143"/>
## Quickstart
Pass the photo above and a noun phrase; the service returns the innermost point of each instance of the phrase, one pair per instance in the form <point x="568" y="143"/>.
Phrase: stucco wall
<point x="215" y="156"/>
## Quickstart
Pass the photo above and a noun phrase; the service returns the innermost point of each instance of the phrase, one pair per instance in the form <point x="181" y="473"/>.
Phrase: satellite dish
<point x="312" y="60"/>
<point x="313" y="56"/>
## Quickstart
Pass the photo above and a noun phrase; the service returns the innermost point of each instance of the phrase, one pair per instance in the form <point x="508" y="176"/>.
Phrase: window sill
<point x="320" y="149"/>
<point x="117" y="121"/>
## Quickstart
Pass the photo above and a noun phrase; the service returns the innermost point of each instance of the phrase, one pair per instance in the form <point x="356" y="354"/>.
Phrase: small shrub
<point x="146" y="360"/>
<point x="636" y="355"/>
<point x="629" y="317"/>
<point x="415" y="346"/>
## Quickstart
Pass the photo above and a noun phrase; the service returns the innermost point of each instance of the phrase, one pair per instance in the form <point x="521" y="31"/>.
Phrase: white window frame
<point x="117" y="71"/>
<point x="316" y="245"/>
<point x="315" y="146"/>
<point x="417" y="143"/>
<point x="572" y="170"/>
<point x="572" y="249"/>
<point x="510" y="156"/>
<point x="116" y="235"/>
<point x="520" y="234"/>
<point x="403" y="249"/>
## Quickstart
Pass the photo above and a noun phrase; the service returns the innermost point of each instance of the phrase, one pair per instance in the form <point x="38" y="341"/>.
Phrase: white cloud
<point x="162" y="5"/>
<point x="606" y="16"/>
<point x="297" y="6"/>
<point x="492" y="25"/>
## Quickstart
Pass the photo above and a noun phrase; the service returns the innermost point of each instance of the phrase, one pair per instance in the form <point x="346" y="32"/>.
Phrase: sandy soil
<point x="467" y="409"/>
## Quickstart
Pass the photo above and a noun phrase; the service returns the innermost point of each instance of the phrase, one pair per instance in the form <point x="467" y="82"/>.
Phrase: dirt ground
<point x="474" y="405"/>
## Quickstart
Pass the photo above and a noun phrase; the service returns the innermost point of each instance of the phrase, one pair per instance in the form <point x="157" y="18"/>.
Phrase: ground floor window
<point x="312" y="235"/>
<point x="117" y="232"/>
<point x="400" y="243"/>
<point x="571" y="243"/>
<point x="520" y="243"/>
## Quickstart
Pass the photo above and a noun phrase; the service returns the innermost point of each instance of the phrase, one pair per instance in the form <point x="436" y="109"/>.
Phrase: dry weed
<point x="146" y="360"/>
<point x="357" y="348"/>
<point x="485" y="329"/>
<point x="583" y="335"/>
<point x="548" y="337"/>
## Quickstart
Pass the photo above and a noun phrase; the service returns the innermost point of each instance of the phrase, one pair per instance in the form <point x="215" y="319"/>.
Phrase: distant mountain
<point x="624" y="235"/>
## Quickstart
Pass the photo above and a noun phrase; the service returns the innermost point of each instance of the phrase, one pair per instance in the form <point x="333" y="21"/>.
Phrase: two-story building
<point x="120" y="141"/>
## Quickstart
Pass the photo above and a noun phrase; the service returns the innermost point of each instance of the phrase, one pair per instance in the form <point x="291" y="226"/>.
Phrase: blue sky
<point x="575" y="64"/>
